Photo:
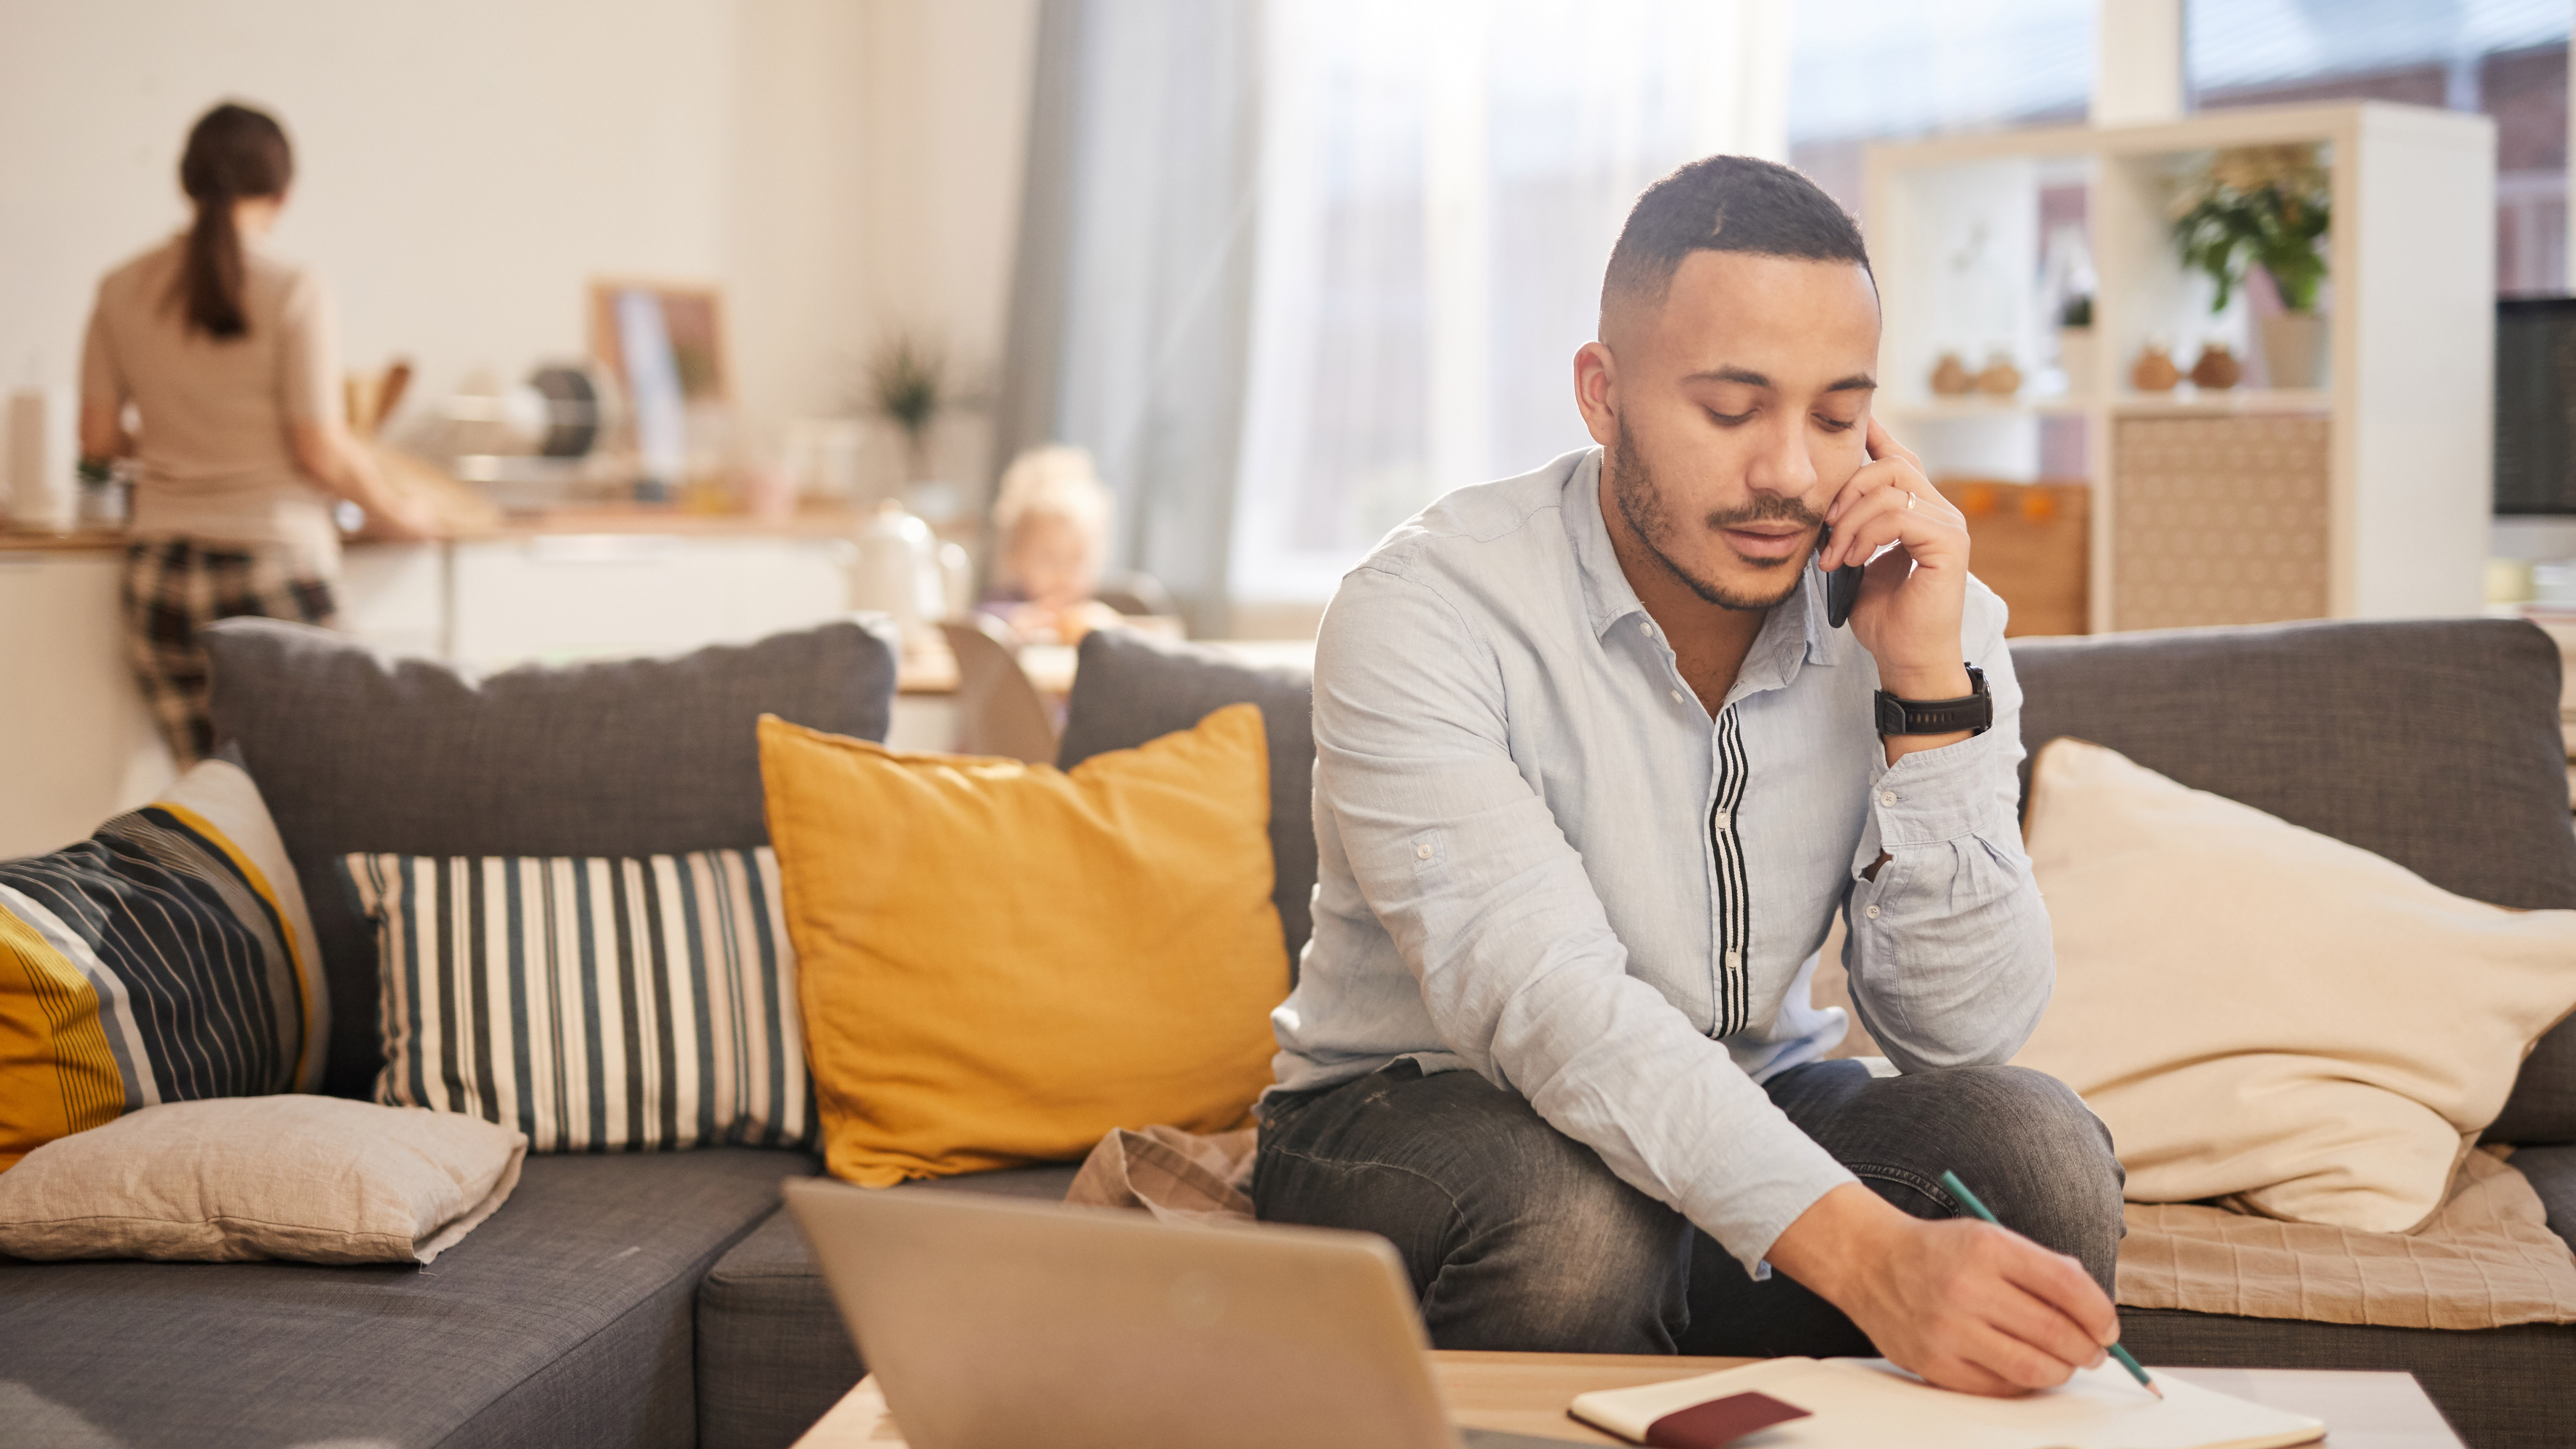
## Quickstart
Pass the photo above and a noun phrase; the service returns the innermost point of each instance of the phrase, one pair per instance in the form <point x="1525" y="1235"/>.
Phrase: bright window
<point x="1441" y="184"/>
<point x="2506" y="58"/>
<point x="1874" y="70"/>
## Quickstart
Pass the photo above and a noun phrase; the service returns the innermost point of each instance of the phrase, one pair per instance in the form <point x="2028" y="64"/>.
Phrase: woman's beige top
<point x="216" y="460"/>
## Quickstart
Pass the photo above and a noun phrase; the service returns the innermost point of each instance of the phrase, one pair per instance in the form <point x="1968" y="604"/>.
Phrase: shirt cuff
<point x="1934" y="796"/>
<point x="1747" y="1220"/>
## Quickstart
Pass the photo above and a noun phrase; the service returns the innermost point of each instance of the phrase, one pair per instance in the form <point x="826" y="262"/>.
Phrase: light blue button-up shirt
<point x="1543" y="861"/>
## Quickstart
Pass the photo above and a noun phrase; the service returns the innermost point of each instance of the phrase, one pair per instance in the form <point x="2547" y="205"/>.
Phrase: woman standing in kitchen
<point x="225" y="351"/>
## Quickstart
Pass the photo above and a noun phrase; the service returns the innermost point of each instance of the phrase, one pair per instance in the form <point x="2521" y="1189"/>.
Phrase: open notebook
<point x="1807" y="1403"/>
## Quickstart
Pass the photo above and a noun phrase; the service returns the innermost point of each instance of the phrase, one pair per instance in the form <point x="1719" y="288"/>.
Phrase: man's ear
<point x="1596" y="391"/>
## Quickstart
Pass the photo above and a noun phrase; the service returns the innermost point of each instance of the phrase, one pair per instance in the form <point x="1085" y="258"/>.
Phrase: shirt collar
<point x="1795" y="631"/>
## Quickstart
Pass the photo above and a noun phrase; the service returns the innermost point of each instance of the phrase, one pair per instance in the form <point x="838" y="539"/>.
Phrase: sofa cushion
<point x="594" y="1004"/>
<point x="2337" y="1084"/>
<point x="2435" y="744"/>
<point x="167" y="958"/>
<point x="772" y="1351"/>
<point x="564" y="1320"/>
<point x="2543" y="1105"/>
<point x="1131" y="687"/>
<point x="357" y="751"/>
<point x="2551" y="1171"/>
<point x="1001" y="961"/>
<point x="297" y="1175"/>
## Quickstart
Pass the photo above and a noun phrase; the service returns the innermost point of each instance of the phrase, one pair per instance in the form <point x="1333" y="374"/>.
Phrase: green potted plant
<point x="908" y="386"/>
<point x="2267" y="206"/>
<point x="904" y="569"/>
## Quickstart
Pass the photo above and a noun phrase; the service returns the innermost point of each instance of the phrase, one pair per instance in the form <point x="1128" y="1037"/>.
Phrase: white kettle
<point x="905" y="571"/>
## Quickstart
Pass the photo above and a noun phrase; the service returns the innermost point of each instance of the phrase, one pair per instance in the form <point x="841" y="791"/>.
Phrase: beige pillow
<point x="316" y="1179"/>
<point x="2266" y="1014"/>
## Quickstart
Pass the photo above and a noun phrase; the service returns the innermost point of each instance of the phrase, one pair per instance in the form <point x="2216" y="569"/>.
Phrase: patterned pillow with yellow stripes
<point x="166" y="958"/>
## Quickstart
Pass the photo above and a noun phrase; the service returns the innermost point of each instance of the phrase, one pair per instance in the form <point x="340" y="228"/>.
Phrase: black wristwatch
<point x="1974" y="713"/>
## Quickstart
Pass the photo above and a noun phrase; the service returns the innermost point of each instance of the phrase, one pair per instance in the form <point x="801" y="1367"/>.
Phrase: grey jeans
<point x="1519" y="1237"/>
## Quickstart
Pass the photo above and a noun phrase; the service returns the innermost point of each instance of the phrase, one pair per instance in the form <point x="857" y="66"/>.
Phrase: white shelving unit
<point x="2399" y="527"/>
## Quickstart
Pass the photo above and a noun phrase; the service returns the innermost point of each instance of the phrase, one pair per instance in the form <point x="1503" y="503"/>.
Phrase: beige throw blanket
<point x="1175" y="1175"/>
<point x="2485" y="1259"/>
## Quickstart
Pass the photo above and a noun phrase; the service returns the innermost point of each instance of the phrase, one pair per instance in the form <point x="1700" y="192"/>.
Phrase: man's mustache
<point x="1769" y="509"/>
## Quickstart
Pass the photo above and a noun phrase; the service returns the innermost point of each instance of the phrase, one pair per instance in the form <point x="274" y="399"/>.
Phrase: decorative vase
<point x="2075" y="359"/>
<point x="2217" y="370"/>
<point x="2294" y="349"/>
<point x="1950" y="376"/>
<point x="2000" y="378"/>
<point x="2155" y="371"/>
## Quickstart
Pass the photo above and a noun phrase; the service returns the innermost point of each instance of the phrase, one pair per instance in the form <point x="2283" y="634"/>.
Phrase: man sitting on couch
<point x="1592" y="775"/>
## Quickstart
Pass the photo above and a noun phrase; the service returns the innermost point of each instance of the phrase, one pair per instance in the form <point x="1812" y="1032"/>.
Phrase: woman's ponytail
<point x="234" y="154"/>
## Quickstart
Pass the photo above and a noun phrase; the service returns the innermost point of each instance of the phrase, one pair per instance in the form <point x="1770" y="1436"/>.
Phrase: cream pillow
<point x="316" y="1179"/>
<point x="2263" y="1013"/>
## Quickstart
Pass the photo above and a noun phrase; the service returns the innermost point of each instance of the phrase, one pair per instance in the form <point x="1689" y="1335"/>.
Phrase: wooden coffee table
<point x="1526" y="1393"/>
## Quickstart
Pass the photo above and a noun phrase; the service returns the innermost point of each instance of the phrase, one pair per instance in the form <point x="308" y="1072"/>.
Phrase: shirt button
<point x="1676" y="694"/>
<point x="1648" y="625"/>
<point x="1886" y="797"/>
<point x="1725" y="818"/>
<point x="1422" y="851"/>
<point x="1872" y="913"/>
<point x="1734" y="960"/>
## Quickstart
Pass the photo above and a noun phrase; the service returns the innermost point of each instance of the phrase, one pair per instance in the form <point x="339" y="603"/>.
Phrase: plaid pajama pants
<point x="174" y="588"/>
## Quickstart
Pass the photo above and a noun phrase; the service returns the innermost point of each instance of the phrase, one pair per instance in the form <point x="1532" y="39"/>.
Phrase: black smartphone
<point x="1842" y="587"/>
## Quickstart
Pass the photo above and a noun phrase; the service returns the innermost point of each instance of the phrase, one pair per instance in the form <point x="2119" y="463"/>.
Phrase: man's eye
<point x="1728" y="420"/>
<point x="1835" y="425"/>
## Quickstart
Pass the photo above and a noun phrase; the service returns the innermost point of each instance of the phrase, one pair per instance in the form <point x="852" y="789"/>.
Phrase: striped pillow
<point x="166" y="958"/>
<point x="595" y="1004"/>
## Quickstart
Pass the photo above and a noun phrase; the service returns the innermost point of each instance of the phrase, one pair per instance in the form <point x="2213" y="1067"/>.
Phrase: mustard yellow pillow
<point x="1001" y="962"/>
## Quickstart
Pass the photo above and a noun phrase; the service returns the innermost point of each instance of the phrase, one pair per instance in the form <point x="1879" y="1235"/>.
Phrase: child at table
<point x="1052" y="521"/>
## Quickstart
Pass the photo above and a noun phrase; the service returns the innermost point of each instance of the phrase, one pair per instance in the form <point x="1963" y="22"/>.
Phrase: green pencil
<point x="1969" y="1201"/>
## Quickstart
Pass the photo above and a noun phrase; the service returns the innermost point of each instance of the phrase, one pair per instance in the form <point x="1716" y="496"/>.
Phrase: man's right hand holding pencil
<point x="1965" y="1304"/>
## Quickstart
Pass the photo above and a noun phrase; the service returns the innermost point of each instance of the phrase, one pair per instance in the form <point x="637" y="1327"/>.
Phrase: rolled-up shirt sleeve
<point x="1464" y="865"/>
<point x="1949" y="953"/>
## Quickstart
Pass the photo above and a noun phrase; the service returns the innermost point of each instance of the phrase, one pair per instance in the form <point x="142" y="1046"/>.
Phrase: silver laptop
<point x="993" y="1324"/>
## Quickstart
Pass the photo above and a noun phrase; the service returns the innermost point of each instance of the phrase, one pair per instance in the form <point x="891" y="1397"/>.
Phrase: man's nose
<point x="1781" y="464"/>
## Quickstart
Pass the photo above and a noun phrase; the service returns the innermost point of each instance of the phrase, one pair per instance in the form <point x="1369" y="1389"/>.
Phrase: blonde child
<point x="1052" y="523"/>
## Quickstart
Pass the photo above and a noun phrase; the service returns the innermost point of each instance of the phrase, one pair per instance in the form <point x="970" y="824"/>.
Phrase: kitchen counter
<point x="15" y="540"/>
<point x="665" y="519"/>
<point x="562" y="585"/>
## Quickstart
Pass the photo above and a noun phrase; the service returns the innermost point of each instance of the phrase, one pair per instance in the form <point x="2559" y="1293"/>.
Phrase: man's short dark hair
<point x="1726" y="204"/>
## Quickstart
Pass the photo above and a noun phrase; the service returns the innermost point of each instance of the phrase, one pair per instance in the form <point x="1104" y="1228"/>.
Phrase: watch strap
<point x="1973" y="712"/>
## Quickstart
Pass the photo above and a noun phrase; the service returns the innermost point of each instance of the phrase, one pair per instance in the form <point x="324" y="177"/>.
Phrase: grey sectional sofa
<point x="660" y="1299"/>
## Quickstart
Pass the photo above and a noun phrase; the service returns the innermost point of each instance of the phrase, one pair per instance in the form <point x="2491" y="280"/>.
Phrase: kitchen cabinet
<point x="77" y="745"/>
<point x="554" y="598"/>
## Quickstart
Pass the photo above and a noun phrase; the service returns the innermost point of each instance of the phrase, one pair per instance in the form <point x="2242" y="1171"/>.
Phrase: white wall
<point x="465" y="169"/>
<point x="461" y="169"/>
<point x="876" y="188"/>
<point x="951" y="82"/>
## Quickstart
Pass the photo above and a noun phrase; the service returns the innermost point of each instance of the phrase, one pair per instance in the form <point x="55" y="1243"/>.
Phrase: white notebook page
<point x="1855" y="1402"/>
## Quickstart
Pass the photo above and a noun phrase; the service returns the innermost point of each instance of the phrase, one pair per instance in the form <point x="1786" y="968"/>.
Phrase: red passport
<point x="1719" y="1421"/>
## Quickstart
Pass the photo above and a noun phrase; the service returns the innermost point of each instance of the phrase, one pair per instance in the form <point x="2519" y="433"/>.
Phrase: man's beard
<point x="1643" y="506"/>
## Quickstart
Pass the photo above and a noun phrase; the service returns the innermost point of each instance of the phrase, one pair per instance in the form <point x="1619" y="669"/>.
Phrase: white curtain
<point x="1440" y="182"/>
<point x="1133" y="282"/>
